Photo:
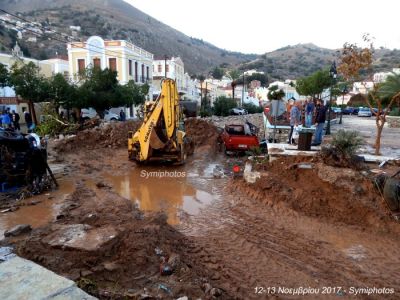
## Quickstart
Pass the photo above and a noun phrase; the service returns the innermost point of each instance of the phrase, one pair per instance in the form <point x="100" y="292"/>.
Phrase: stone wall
<point x="393" y="122"/>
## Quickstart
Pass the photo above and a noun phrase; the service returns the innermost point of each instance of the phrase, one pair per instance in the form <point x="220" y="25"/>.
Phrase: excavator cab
<point x="161" y="137"/>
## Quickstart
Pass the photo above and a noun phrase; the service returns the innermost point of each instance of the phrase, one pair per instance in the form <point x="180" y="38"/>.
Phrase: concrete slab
<point x="377" y="158"/>
<point x="24" y="280"/>
<point x="81" y="237"/>
<point x="280" y="149"/>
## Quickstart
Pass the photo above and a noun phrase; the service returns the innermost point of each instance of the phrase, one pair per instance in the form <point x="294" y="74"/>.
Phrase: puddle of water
<point x="170" y="194"/>
<point x="39" y="214"/>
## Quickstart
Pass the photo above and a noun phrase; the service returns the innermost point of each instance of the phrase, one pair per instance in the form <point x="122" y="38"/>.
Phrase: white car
<point x="238" y="111"/>
<point x="91" y="113"/>
<point x="364" y="112"/>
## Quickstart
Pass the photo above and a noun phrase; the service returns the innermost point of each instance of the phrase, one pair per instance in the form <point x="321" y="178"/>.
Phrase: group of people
<point x="313" y="112"/>
<point x="10" y="120"/>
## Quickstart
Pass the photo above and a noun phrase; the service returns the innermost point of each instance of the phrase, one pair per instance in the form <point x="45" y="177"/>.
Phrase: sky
<point x="259" y="26"/>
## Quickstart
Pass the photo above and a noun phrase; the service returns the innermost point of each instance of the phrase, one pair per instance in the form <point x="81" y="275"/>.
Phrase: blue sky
<point x="257" y="26"/>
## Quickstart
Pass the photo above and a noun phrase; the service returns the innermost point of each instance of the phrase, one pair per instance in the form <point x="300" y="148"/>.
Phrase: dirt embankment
<point x="112" y="135"/>
<point x="115" y="135"/>
<point x="114" y="251"/>
<point x="328" y="193"/>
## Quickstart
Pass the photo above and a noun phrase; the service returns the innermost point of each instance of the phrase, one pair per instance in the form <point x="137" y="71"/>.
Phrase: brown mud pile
<point x="127" y="263"/>
<point x="202" y="133"/>
<point x="328" y="193"/>
<point x="113" y="135"/>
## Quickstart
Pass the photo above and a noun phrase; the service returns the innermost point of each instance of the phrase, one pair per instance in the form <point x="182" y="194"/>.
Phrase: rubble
<point x="18" y="230"/>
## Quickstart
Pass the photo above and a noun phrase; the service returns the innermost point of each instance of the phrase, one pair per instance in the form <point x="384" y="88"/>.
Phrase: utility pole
<point x="241" y="102"/>
<point x="165" y="66"/>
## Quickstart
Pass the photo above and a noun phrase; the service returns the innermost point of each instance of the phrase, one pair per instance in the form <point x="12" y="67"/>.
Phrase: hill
<point x="116" y="19"/>
<point x="112" y="19"/>
<point x="304" y="59"/>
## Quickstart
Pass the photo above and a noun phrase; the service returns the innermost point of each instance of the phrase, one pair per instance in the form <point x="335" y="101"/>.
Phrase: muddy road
<point x="121" y="226"/>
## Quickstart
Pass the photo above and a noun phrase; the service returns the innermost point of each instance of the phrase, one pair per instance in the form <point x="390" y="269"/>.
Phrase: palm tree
<point x="390" y="88"/>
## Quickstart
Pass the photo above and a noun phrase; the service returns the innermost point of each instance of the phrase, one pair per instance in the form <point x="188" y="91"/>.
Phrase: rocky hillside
<point x="112" y="19"/>
<point x="303" y="59"/>
<point x="119" y="20"/>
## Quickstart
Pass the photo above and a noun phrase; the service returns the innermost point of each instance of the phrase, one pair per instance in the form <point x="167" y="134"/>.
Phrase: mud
<point x="318" y="227"/>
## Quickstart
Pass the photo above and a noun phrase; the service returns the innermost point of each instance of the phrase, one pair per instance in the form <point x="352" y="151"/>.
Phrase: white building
<point x="362" y="87"/>
<point x="172" y="68"/>
<point x="381" y="76"/>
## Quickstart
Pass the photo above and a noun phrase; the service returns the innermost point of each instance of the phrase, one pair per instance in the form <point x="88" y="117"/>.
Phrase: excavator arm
<point x="159" y="137"/>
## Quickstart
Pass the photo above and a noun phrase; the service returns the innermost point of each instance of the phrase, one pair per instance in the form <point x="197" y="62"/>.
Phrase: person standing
<point x="122" y="115"/>
<point x="295" y="115"/>
<point x="15" y="120"/>
<point x="320" y="118"/>
<point x="310" y="107"/>
<point x="28" y="120"/>
<point x="6" y="121"/>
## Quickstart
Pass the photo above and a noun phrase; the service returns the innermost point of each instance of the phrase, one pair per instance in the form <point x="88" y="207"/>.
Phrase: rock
<point x="174" y="261"/>
<point x="17" y="230"/>
<point x="215" y="292"/>
<point x="183" y="298"/>
<point x="207" y="288"/>
<point x="110" y="266"/>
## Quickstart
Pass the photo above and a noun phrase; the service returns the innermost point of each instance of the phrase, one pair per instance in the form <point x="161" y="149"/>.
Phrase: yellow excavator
<point x="161" y="137"/>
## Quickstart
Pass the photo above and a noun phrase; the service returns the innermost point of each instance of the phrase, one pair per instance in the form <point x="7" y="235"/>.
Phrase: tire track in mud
<point x="249" y="244"/>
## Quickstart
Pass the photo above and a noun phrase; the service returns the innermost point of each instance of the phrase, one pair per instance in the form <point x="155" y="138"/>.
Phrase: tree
<point x="61" y="92"/>
<point x="29" y="84"/>
<point x="234" y="74"/>
<point x="314" y="84"/>
<point x="258" y="76"/>
<point x="100" y="90"/>
<point x="275" y="93"/>
<point x="222" y="106"/>
<point x="4" y="76"/>
<point x="217" y="73"/>
<point x="390" y="87"/>
<point x="357" y="61"/>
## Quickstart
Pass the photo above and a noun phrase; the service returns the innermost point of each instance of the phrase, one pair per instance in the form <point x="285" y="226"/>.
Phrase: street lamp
<point x="332" y="74"/>
<point x="344" y="92"/>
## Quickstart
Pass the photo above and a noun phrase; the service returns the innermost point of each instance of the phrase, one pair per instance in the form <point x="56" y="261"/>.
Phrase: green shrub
<point x="252" y="109"/>
<point x="395" y="112"/>
<point x="223" y="105"/>
<point x="347" y="142"/>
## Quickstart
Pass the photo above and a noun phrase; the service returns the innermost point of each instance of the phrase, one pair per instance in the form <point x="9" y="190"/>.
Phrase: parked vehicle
<point x="336" y="110"/>
<point x="89" y="113"/>
<point x="349" y="110"/>
<point x="364" y="112"/>
<point x="239" y="137"/>
<point x="238" y="111"/>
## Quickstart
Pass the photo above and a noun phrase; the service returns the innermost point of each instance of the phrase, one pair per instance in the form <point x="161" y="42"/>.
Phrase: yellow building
<point x="131" y="62"/>
<point x="8" y="98"/>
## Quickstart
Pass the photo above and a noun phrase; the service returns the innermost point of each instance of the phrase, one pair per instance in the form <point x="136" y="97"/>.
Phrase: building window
<point x="81" y="65"/>
<point x="167" y="68"/>
<point x="136" y="71"/>
<point x="159" y="68"/>
<point x="130" y="67"/>
<point x="96" y="63"/>
<point x="147" y="73"/>
<point x="112" y="64"/>
<point x="142" y="73"/>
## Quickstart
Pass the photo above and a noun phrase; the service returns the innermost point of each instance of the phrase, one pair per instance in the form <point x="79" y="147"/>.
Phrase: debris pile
<point x="112" y="135"/>
<point x="113" y="251"/>
<point x="202" y="132"/>
<point x="317" y="190"/>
